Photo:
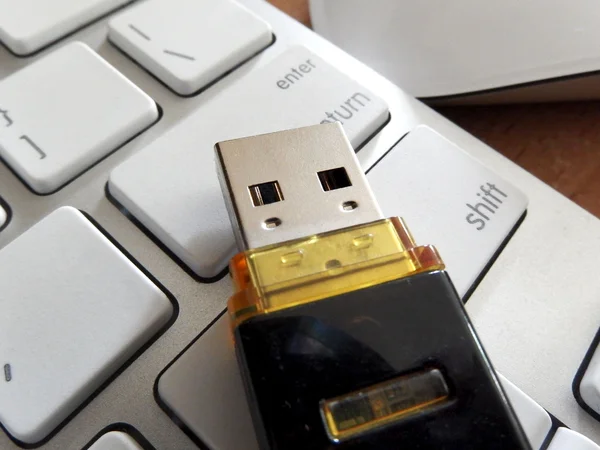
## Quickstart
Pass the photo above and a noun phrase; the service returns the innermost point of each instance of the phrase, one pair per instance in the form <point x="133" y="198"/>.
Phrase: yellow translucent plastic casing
<point x="280" y="276"/>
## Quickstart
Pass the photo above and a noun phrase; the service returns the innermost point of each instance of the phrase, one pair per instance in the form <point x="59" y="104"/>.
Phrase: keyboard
<point x="114" y="238"/>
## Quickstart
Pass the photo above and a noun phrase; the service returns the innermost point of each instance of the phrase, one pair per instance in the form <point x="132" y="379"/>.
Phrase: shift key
<point x="185" y="209"/>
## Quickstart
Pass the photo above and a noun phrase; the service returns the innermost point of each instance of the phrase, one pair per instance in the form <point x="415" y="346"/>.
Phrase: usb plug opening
<point x="292" y="184"/>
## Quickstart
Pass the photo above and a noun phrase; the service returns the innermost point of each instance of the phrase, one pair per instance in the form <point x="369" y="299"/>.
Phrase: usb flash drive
<point x="348" y="334"/>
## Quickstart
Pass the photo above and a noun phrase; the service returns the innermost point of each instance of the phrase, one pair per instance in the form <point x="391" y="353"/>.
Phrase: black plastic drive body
<point x="293" y="359"/>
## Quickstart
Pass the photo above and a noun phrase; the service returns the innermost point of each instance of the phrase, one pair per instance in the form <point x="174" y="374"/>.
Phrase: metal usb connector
<point x="348" y="334"/>
<point x="292" y="184"/>
<point x="307" y="221"/>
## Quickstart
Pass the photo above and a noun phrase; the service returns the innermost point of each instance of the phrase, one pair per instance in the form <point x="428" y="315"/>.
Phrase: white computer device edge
<point x="520" y="51"/>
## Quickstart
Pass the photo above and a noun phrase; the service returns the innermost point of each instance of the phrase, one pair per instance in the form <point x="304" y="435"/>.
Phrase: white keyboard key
<point x="566" y="439"/>
<point x="185" y="211"/>
<point x="29" y="25"/>
<point x="53" y="130"/>
<point x="589" y="386"/>
<point x="188" y="44"/>
<point x="3" y="216"/>
<point x="74" y="309"/>
<point x="204" y="389"/>
<point x="115" y="440"/>
<point x="534" y="419"/>
<point x="449" y="200"/>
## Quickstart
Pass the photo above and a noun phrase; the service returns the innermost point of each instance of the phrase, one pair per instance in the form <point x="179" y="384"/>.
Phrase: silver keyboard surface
<point x="536" y="310"/>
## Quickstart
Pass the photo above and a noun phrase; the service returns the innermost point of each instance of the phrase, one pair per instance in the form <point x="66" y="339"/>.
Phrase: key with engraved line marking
<point x="74" y="310"/>
<point x="187" y="44"/>
<point x="51" y="131"/>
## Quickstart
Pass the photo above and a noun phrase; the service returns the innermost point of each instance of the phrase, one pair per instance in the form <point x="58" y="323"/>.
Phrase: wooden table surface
<point x="557" y="142"/>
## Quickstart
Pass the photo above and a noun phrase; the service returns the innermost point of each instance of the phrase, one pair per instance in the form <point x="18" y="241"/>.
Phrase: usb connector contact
<point x="348" y="334"/>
